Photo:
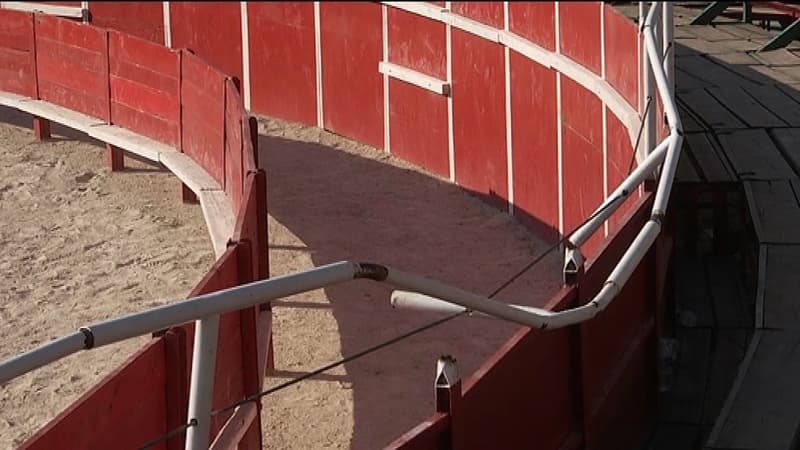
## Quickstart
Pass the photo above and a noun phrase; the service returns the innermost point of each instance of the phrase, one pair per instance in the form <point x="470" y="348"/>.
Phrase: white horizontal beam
<point x="55" y="10"/>
<point x="411" y="76"/>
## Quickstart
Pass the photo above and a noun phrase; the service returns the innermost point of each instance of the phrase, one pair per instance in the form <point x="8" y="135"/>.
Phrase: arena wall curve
<point x="535" y="107"/>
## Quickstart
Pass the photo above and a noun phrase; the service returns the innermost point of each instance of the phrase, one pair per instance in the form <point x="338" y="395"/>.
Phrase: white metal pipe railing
<point x="201" y="386"/>
<point x="668" y="150"/>
<point x="615" y="200"/>
<point x="206" y="308"/>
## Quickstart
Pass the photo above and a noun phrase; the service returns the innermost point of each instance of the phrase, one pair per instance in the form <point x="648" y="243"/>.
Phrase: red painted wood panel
<point x="17" y="70"/>
<point x="535" y="21"/>
<point x="127" y="407"/>
<point x="522" y="415"/>
<point x="479" y="133"/>
<point x="141" y="19"/>
<point x="282" y="60"/>
<point x="618" y="353"/>
<point x="622" y="60"/>
<point x="521" y="412"/>
<point x="582" y="154"/>
<point x="620" y="155"/>
<point x="534" y="136"/>
<point x="489" y="13"/>
<point x="72" y="65"/>
<point x="191" y="24"/>
<point x="145" y="87"/>
<point x="352" y="87"/>
<point x="579" y="32"/>
<point x="234" y="173"/>
<point x="203" y="115"/>
<point x="419" y="44"/>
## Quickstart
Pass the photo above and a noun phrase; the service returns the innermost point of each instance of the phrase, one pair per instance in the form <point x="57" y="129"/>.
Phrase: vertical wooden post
<point x="115" y="157"/>
<point x="248" y="328"/>
<point x="448" y="398"/>
<point x="177" y="383"/>
<point x="41" y="128"/>
<point x="187" y="196"/>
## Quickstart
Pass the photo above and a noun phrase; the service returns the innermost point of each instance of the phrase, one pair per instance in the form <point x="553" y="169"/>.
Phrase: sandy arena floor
<point x="332" y="199"/>
<point x="80" y="244"/>
<point x="67" y="226"/>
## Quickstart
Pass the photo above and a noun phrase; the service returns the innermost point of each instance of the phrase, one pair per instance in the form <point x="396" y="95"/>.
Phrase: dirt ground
<point x="80" y="244"/>
<point x="332" y="199"/>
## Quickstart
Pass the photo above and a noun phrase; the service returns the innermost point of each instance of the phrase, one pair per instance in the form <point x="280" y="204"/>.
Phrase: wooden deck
<point x="735" y="380"/>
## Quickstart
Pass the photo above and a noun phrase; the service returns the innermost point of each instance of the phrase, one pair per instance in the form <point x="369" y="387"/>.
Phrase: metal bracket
<point x="573" y="266"/>
<point x="710" y="13"/>
<point x="446" y="372"/>
<point x="783" y="38"/>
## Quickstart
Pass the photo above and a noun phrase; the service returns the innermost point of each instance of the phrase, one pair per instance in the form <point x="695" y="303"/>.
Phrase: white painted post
<point x="451" y="152"/>
<point x="201" y="390"/>
<point x="245" y="56"/>
<point x="167" y="30"/>
<point x="509" y="144"/>
<point x="669" y="45"/>
<point x="648" y="93"/>
<point x="318" y="64"/>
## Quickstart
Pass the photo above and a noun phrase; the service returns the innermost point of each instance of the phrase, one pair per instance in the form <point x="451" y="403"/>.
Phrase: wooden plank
<point x="792" y="89"/>
<point x="218" y="213"/>
<point x="775" y="211"/>
<point x="732" y="304"/>
<point x="728" y="351"/>
<point x="776" y="74"/>
<point x="788" y="140"/>
<point x="712" y="165"/>
<point x="777" y="102"/>
<point x="710" y="110"/>
<point x="690" y="124"/>
<point x="686" y="171"/>
<point x="745" y="107"/>
<point x="671" y="436"/>
<point x="792" y="72"/>
<point x="781" y="303"/>
<point x="691" y="293"/>
<point x="705" y="69"/>
<point x="711" y="33"/>
<point x="131" y="142"/>
<point x="685" y="81"/>
<point x="754" y="155"/>
<point x="764" y="412"/>
<point x="683" y="403"/>
<point x="189" y="172"/>
<point x="779" y="57"/>
<point x="55" y="113"/>
<point x="234" y="429"/>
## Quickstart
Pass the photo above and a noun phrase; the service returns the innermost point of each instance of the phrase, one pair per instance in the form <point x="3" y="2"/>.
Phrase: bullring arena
<point x="264" y="225"/>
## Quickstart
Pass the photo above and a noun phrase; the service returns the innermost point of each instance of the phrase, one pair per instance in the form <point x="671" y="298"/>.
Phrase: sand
<point x="67" y="226"/>
<point x="80" y="244"/>
<point x="332" y="199"/>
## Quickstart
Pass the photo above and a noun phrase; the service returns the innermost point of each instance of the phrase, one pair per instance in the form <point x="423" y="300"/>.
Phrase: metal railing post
<point x="668" y="45"/>
<point x="648" y="95"/>
<point x="201" y="390"/>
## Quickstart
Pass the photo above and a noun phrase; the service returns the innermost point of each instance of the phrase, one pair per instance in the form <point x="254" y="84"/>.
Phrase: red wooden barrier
<point x="418" y="43"/>
<point x="235" y="121"/>
<point x="140" y="19"/>
<point x="123" y="411"/>
<point x="17" y="50"/>
<point x="72" y="65"/>
<point x="618" y="346"/>
<point x="203" y="114"/>
<point x="352" y="87"/>
<point x="212" y="30"/>
<point x="145" y="87"/>
<point x="582" y="154"/>
<point x="284" y="54"/>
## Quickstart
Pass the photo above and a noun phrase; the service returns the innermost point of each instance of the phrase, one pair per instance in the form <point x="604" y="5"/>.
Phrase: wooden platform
<point x="736" y="381"/>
